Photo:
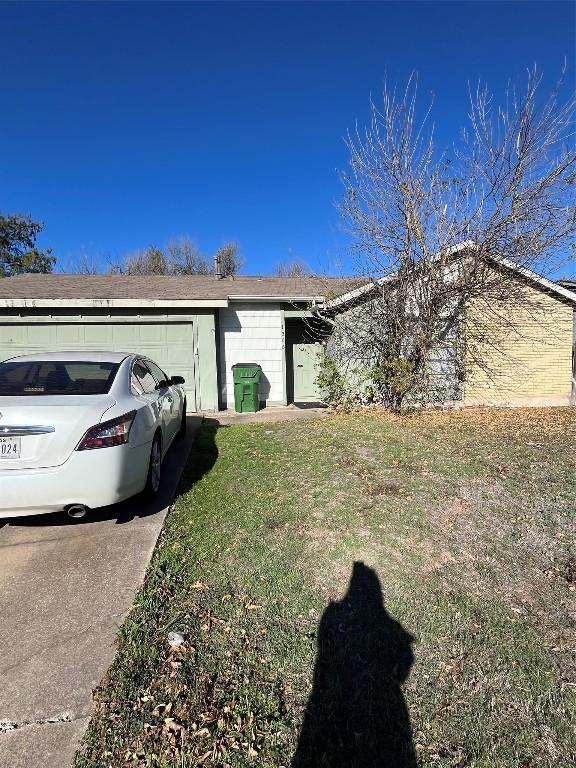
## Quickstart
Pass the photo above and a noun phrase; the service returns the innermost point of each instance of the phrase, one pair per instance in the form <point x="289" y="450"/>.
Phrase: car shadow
<point x="186" y="462"/>
<point x="356" y="716"/>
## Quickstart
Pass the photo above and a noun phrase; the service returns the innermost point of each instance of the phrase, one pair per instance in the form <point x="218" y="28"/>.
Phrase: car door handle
<point x="299" y="366"/>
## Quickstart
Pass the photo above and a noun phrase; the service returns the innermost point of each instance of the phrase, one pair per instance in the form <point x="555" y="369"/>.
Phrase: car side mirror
<point x="162" y="384"/>
<point x="177" y="380"/>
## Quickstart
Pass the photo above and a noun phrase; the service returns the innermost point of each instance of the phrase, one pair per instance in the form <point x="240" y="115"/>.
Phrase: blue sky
<point x="130" y="124"/>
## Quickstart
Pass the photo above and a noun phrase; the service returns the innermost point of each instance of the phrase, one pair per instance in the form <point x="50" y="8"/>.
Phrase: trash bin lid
<point x="247" y="365"/>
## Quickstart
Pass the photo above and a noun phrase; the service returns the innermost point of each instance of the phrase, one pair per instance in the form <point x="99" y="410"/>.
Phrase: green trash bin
<point x="246" y="387"/>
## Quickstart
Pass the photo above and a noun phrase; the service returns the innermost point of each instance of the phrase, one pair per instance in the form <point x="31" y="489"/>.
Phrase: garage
<point x="171" y="340"/>
<point x="195" y="326"/>
<point x="168" y="343"/>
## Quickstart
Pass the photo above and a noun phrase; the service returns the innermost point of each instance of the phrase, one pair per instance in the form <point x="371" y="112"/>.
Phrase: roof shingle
<point x="165" y="287"/>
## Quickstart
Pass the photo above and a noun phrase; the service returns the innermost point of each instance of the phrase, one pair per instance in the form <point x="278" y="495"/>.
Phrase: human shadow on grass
<point x="185" y="463"/>
<point x="356" y="715"/>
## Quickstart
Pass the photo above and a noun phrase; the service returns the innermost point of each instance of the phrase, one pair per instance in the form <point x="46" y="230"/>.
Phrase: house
<point x="200" y="326"/>
<point x="193" y="326"/>
<point x="528" y="357"/>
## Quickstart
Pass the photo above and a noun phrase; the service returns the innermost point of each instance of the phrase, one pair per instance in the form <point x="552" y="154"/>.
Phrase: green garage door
<point x="170" y="344"/>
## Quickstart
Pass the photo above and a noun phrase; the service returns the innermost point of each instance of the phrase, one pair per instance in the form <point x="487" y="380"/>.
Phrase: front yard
<point x="406" y="587"/>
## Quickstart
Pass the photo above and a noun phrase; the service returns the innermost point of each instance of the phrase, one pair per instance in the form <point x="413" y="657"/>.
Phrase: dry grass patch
<point x="450" y="643"/>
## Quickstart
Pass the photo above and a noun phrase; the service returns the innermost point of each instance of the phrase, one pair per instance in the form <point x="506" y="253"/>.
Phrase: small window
<point x="157" y="372"/>
<point x="144" y="378"/>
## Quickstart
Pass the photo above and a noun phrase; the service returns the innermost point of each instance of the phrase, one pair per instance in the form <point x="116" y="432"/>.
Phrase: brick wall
<point x="529" y="363"/>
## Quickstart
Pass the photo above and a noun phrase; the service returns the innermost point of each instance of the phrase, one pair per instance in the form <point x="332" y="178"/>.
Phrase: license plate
<point x="10" y="447"/>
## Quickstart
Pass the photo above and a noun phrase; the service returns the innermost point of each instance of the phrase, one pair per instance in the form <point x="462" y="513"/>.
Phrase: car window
<point x="157" y="372"/>
<point x="56" y="377"/>
<point x="135" y="384"/>
<point x="144" y="378"/>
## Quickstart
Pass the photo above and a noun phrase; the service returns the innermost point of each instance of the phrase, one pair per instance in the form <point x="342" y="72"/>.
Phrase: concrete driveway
<point x="64" y="590"/>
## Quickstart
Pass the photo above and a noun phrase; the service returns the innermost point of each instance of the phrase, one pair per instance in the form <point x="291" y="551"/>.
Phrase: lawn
<point x="357" y="591"/>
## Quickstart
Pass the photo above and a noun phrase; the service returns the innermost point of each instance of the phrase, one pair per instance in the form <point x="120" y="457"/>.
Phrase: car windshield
<point x="56" y="377"/>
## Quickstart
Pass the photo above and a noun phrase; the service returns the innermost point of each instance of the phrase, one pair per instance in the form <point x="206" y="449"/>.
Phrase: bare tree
<point x="504" y="190"/>
<point x="151" y="261"/>
<point x="83" y="264"/>
<point x="184" y="258"/>
<point x="180" y="257"/>
<point x="294" y="268"/>
<point x="230" y="260"/>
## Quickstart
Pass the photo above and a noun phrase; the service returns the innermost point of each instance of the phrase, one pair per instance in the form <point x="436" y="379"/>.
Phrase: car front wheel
<point x="154" y="469"/>
<point x="182" y="428"/>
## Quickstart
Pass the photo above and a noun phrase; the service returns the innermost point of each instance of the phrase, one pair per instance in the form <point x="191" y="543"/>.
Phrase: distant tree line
<point x="19" y="254"/>
<point x="180" y="257"/>
<point x="294" y="268"/>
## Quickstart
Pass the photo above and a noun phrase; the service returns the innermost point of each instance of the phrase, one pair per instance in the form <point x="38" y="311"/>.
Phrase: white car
<point x="81" y="430"/>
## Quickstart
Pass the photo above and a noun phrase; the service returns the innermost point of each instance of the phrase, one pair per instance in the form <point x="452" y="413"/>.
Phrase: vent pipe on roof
<point x="218" y="267"/>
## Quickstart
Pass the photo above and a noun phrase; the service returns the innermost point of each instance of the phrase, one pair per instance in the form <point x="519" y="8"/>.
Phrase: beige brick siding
<point x="529" y="360"/>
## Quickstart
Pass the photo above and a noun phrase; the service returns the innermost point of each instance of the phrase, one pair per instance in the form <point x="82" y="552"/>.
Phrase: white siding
<point x="253" y="333"/>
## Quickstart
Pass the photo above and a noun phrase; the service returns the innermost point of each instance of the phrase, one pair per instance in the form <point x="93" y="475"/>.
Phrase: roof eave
<point x="534" y="277"/>
<point x="550" y="285"/>
<point x="283" y="299"/>
<point x="112" y="303"/>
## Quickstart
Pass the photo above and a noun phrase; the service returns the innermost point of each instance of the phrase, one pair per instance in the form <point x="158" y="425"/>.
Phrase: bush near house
<point x="453" y="645"/>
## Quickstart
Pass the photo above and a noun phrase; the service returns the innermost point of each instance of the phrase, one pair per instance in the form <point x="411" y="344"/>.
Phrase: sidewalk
<point x="266" y="415"/>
